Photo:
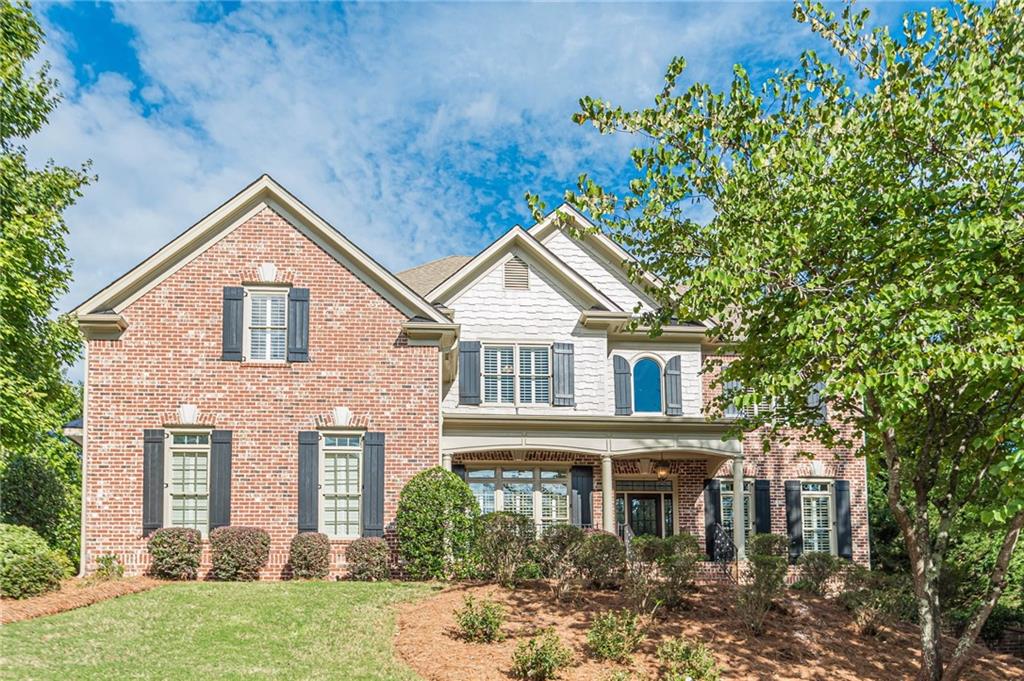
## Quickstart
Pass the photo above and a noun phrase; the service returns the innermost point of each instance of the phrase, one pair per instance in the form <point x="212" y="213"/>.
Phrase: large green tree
<point x="867" y="235"/>
<point x="35" y="345"/>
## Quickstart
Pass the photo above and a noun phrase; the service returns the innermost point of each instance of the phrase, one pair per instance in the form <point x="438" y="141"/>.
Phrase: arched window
<point x="647" y="386"/>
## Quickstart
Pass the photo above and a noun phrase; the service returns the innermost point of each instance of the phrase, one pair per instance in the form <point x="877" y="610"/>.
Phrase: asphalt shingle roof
<point x="424" y="278"/>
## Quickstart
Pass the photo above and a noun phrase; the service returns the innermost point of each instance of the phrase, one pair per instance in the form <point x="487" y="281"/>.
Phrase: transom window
<point x="817" y="512"/>
<point x="507" y="366"/>
<point x="728" y="515"/>
<point x="647" y="386"/>
<point x="267" y="324"/>
<point x="541" y="494"/>
<point x="341" y="485"/>
<point x="187" y="495"/>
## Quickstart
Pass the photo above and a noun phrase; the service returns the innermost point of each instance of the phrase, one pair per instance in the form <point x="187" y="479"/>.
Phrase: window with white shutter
<point x="516" y="374"/>
<point x="817" y="517"/>
<point x="726" y="498"/>
<point x="535" y="375"/>
<point x="499" y="374"/>
<point x="266" y="321"/>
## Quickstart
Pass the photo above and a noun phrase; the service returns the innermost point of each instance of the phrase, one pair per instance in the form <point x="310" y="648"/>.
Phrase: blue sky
<point x="413" y="128"/>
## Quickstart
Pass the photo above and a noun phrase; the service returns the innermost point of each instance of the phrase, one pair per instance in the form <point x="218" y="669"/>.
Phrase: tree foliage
<point x="867" y="244"/>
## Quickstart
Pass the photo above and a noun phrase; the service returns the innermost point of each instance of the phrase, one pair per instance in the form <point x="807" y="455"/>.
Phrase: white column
<point x="607" y="495"/>
<point x="738" y="523"/>
<point x="446" y="460"/>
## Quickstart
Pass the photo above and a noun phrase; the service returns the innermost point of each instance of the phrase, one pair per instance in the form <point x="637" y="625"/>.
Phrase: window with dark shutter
<point x="298" y="325"/>
<point x="564" y="375"/>
<point x="762" y="506"/>
<point x="220" y="479"/>
<point x="373" y="485"/>
<point x="152" y="481"/>
<point x="794" y="520"/>
<point x="623" y="386"/>
<point x="844" y="526"/>
<point x="674" y="387"/>
<point x="582" y="480"/>
<point x="232" y="323"/>
<point x="469" y="372"/>
<point x="309" y="473"/>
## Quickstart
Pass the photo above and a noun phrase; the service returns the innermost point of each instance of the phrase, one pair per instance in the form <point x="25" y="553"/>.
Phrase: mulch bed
<point x="809" y="638"/>
<point x="73" y="593"/>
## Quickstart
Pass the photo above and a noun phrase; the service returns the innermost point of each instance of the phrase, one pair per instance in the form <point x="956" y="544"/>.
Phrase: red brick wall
<point x="170" y="355"/>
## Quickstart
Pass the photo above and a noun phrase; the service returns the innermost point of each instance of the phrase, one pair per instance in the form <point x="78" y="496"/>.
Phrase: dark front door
<point x="645" y="514"/>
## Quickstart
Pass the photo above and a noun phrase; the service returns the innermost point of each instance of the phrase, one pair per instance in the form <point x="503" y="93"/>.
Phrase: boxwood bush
<point x="28" y="567"/>
<point x="436" y="521"/>
<point x="174" y="553"/>
<point x="238" y="553"/>
<point x="368" y="559"/>
<point x="602" y="560"/>
<point x="309" y="555"/>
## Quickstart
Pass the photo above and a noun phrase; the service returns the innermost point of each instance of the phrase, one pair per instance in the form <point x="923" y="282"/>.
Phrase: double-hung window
<point x="728" y="514"/>
<point x="341" y="484"/>
<point x="541" y="494"/>
<point x="817" y="512"/>
<point x="517" y="374"/>
<point x="266" y="312"/>
<point x="187" y="495"/>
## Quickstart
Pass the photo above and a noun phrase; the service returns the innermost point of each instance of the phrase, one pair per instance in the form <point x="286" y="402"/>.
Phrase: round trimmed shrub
<point x="602" y="560"/>
<point x="681" y="555"/>
<point x="238" y="553"/>
<point x="28" y="567"/>
<point x="503" y="546"/>
<point x="310" y="555"/>
<point x="436" y="521"/>
<point x="368" y="559"/>
<point x="174" y="553"/>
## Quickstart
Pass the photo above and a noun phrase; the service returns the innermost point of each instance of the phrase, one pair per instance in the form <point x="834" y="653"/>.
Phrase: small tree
<point x="436" y="519"/>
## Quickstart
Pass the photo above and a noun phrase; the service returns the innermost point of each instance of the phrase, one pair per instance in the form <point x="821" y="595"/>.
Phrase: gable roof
<point x="517" y="237"/>
<point x="264" y="192"/>
<point x="423" y="278"/>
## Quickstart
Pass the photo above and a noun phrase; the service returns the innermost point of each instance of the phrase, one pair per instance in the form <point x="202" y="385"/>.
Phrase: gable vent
<point x="517" y="274"/>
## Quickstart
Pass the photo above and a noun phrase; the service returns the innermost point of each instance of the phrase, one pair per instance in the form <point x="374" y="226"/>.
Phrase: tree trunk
<point x="930" y="625"/>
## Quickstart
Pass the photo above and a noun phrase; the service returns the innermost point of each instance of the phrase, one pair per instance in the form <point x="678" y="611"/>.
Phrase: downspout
<point x="85" y="449"/>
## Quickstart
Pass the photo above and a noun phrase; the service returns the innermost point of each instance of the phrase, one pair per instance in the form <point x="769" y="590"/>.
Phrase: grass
<point x="286" y="630"/>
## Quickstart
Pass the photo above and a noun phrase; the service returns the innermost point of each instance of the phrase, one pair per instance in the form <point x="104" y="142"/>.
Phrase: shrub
<point x="108" y="567"/>
<point x="540" y="658"/>
<point x="614" y="636"/>
<point x="641" y="581"/>
<point x="503" y="544"/>
<point x="309" y="555"/>
<point x="677" y="562"/>
<point x="558" y="551"/>
<point x="682" y="660"/>
<point x="480" y="622"/>
<point x="816" y="569"/>
<point x="368" y="559"/>
<point x="602" y="560"/>
<point x="876" y="599"/>
<point x="27" y="565"/>
<point x="436" y="521"/>
<point x="765" y="581"/>
<point x="175" y="552"/>
<point x="238" y="553"/>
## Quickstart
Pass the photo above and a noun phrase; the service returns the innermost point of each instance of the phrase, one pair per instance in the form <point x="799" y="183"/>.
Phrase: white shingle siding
<point x="595" y="270"/>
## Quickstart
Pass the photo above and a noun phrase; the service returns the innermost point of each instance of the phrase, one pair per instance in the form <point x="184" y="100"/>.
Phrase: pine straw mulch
<point x="73" y="593"/>
<point x="808" y="638"/>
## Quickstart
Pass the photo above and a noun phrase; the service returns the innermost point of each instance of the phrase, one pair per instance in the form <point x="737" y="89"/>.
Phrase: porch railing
<point x="725" y="552"/>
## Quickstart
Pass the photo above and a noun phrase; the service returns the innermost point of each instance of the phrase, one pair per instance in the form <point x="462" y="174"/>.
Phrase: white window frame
<point x="672" y="495"/>
<point x="326" y="450"/>
<point x="661" y="381"/>
<point x="247" y="322"/>
<point x="725" y="484"/>
<point x="830" y="494"/>
<point x="168" y="491"/>
<point x="517" y="376"/>
<point x="536" y="481"/>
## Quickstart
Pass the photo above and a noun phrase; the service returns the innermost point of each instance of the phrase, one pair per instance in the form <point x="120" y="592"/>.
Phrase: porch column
<point x="607" y="495"/>
<point x="738" y="522"/>
<point x="446" y="460"/>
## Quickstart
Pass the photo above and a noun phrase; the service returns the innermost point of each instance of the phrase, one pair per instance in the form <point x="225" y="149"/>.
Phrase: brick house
<point x="260" y="369"/>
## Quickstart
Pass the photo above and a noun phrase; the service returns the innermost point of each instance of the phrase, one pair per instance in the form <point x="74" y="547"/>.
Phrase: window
<point x="517" y="274"/>
<point x="541" y="494"/>
<point x="765" y="406"/>
<point x="647" y="386"/>
<point x="266" y="324"/>
<point x="727" y="507"/>
<point x="187" y="497"/>
<point x="501" y="376"/>
<point x="340" y="475"/>
<point x="816" y="507"/>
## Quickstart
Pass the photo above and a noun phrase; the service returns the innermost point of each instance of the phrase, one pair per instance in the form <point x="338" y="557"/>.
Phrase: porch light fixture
<point x="661" y="470"/>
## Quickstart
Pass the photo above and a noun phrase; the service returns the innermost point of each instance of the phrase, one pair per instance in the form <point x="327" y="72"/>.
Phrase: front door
<point x="645" y="514"/>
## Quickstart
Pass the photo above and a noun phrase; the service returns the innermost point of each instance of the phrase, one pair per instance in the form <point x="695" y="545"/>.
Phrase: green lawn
<point x="286" y="630"/>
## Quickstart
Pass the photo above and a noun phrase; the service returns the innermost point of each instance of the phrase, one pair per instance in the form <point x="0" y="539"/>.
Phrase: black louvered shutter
<point x="623" y="386"/>
<point x="844" y="527"/>
<point x="674" y="387"/>
<point x="469" y="372"/>
<point x="712" y="514"/>
<point x="373" y="485"/>
<point x="582" y="478"/>
<point x="298" y="325"/>
<point x="152" y="480"/>
<point x="817" y="403"/>
<point x="762" y="506"/>
<point x="459" y="470"/>
<point x="309" y="480"/>
<point x="220" y="479"/>
<point x="563" y="375"/>
<point x="231" y="324"/>
<point x="794" y="520"/>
